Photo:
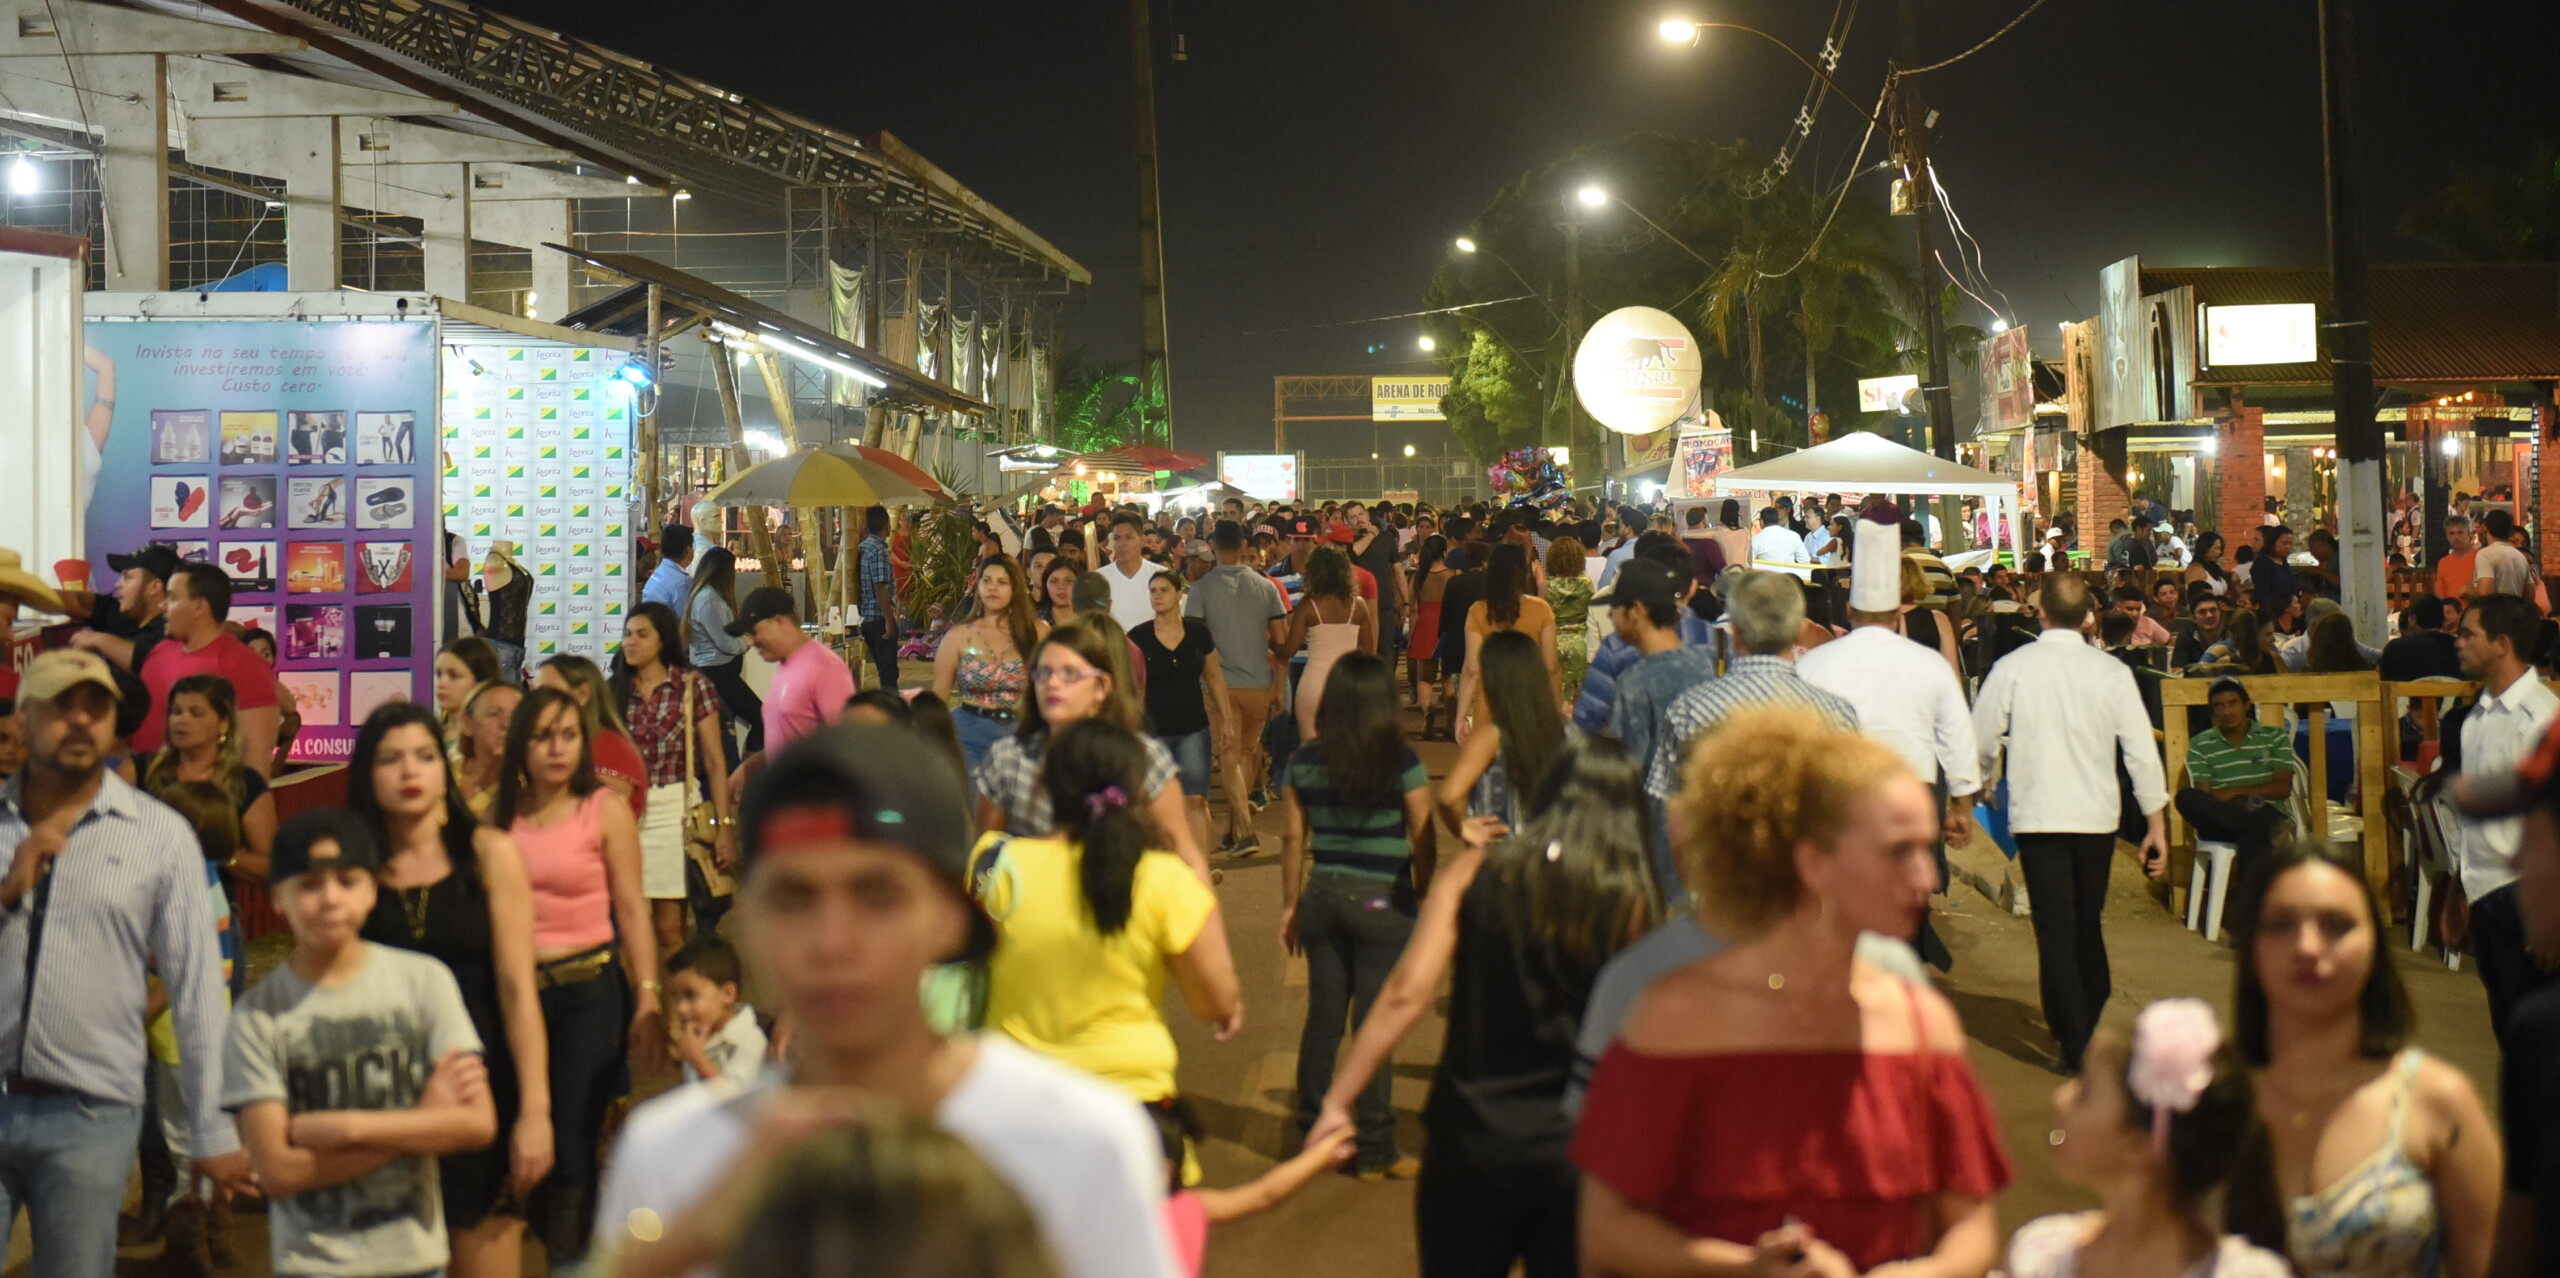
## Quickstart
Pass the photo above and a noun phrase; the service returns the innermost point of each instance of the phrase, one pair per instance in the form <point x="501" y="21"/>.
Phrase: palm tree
<point x="1825" y="265"/>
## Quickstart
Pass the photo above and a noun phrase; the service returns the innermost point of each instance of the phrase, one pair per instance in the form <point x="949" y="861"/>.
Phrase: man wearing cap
<point x="1906" y="693"/>
<point x="853" y="885"/>
<point x="199" y="601"/>
<point x="810" y="682"/>
<point x="2066" y="712"/>
<point x="2515" y="708"/>
<point x="125" y="633"/>
<point x="672" y="579"/>
<point x="102" y="883"/>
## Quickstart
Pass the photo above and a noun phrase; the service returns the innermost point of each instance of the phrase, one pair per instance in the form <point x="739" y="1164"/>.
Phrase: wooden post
<point x="759" y="537"/>
<point x="813" y="542"/>
<point x="652" y="472"/>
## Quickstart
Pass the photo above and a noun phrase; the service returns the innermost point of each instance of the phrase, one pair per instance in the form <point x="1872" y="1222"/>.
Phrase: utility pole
<point x="1155" y="367"/>
<point x="1913" y="139"/>
<point x="2360" y="552"/>
<point x="1573" y="417"/>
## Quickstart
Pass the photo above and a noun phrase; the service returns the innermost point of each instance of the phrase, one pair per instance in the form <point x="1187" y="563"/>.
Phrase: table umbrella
<point x="1153" y="458"/>
<point x="819" y="477"/>
<point x="898" y="467"/>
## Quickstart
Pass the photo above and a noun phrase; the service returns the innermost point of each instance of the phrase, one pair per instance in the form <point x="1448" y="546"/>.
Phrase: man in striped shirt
<point x="2239" y="777"/>
<point x="102" y="881"/>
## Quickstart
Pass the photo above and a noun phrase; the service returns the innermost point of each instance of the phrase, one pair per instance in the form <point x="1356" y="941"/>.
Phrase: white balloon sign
<point x="1637" y="370"/>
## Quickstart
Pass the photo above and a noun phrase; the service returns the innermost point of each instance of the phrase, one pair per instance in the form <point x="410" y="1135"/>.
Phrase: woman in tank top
<point x="979" y="669"/>
<point x="581" y="851"/>
<point x="455" y="890"/>
<point x="1332" y="620"/>
<point x="2382" y="1161"/>
<point x="1526" y="928"/>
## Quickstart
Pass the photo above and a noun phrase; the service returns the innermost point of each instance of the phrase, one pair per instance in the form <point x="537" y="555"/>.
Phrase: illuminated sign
<point x="1886" y="394"/>
<point x="1268" y="476"/>
<point x="1637" y="370"/>
<point x="1406" y="399"/>
<point x="2278" y="333"/>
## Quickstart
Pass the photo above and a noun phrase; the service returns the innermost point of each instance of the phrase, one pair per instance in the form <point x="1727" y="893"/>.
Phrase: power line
<point x="1381" y="319"/>
<point x="2032" y="6"/>
<point x="1840" y="198"/>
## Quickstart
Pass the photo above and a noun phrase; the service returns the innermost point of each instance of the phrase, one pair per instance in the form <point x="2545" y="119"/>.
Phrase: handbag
<point x="702" y="817"/>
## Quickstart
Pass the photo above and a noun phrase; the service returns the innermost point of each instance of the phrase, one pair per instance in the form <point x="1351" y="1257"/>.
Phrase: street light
<point x="1999" y="326"/>
<point x="1408" y="450"/>
<point x="1426" y="343"/>
<point x="1679" y="31"/>
<point x="23" y="178"/>
<point x="1466" y="245"/>
<point x="1683" y="31"/>
<point x="1592" y="197"/>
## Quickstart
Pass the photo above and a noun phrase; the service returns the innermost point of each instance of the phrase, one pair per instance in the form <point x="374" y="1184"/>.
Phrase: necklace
<point x="413" y="902"/>
<point x="2327" y="1098"/>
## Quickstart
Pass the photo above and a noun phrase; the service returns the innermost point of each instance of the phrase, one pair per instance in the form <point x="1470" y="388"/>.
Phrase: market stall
<point x="1863" y="463"/>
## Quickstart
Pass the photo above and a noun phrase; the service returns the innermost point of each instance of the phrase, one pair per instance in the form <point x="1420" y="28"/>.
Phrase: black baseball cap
<point x="876" y="782"/>
<point x="1301" y="528"/>
<point x="1643" y="581"/>
<point x="761" y="603"/>
<point x="292" y="853"/>
<point x="160" y="559"/>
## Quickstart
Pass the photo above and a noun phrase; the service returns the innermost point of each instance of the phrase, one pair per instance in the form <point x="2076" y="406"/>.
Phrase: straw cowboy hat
<point x="17" y="582"/>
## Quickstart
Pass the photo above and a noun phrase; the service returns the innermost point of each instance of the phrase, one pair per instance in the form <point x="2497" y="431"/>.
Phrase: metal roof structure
<point x="2433" y="324"/>
<point x="626" y="313"/>
<point x="618" y="113"/>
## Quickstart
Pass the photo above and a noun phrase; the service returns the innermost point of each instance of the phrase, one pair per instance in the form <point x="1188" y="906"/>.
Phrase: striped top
<point x="2215" y="764"/>
<point x="128" y="888"/>
<point x="1752" y="680"/>
<point x="1369" y="842"/>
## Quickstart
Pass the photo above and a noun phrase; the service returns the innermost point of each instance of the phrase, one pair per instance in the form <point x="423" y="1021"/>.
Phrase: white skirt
<point x="662" y="854"/>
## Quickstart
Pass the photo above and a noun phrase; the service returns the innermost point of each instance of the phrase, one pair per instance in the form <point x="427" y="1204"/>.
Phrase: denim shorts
<point x="1191" y="761"/>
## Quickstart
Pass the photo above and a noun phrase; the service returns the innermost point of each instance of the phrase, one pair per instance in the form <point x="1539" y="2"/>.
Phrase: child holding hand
<point x="714" y="1036"/>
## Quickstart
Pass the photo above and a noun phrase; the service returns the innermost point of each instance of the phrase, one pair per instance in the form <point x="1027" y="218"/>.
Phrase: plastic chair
<point x="2210" y="873"/>
<point x="2427" y="851"/>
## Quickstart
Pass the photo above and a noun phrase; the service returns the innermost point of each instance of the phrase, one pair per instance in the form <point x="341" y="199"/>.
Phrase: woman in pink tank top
<point x="581" y="852"/>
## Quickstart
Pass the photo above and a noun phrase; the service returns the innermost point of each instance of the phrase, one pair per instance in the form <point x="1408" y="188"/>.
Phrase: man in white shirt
<point x="2066" y="712"/>
<point x="2496" y="642"/>
<point x="856" y="845"/>
<point x="1129" y="572"/>
<point x="2499" y="568"/>
<point x="1907" y="695"/>
<point x="1776" y="543"/>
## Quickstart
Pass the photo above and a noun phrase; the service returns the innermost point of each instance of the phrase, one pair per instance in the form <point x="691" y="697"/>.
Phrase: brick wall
<point x="2102" y="500"/>
<point x="2547" y="512"/>
<point x="2240" y="469"/>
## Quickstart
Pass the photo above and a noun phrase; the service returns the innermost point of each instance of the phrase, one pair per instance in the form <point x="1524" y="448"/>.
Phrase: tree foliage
<point x="1793" y="301"/>
<point x="1103" y="406"/>
<point x="2510" y="215"/>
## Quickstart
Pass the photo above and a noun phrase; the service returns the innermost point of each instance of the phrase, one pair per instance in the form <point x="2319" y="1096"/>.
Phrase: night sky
<point x="1319" y="154"/>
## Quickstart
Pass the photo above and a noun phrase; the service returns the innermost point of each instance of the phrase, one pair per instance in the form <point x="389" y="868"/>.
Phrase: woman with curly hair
<point x="1783" y="1100"/>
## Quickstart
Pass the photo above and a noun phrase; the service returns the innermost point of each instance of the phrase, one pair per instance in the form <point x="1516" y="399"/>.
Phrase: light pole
<point x="1467" y="245"/>
<point x="1589" y="197"/>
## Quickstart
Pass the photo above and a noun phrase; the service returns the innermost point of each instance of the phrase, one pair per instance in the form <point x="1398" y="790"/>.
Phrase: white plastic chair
<point x="2427" y="853"/>
<point x="2209" y="873"/>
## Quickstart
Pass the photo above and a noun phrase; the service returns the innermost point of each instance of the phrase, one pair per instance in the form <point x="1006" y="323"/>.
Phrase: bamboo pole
<point x="759" y="537"/>
<point x="813" y="541"/>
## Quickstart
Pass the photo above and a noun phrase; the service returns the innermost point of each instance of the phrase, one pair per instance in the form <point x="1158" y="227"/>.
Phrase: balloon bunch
<point x="1527" y="477"/>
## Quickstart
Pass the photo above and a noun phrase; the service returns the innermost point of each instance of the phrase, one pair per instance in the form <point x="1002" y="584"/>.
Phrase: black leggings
<point x="729" y="679"/>
<point x="1474" y="1216"/>
<point x="589" y="1026"/>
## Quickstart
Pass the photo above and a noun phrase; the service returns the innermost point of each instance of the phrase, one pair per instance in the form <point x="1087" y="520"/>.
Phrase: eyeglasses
<point x="1067" y="675"/>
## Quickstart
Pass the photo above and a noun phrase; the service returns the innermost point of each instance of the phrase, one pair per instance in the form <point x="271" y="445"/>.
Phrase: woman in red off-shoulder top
<point x="1779" y="1107"/>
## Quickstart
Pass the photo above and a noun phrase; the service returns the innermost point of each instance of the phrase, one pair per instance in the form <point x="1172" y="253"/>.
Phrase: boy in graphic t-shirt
<point x="349" y="1069"/>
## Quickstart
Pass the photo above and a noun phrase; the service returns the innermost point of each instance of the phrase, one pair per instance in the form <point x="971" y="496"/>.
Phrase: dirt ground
<point x="1245" y="1088"/>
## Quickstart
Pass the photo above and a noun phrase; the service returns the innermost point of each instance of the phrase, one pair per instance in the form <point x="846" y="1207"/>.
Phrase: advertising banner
<point x="2008" y="382"/>
<point x="1406" y="399"/>
<point x="537" y="452"/>
<point x="1268" y="476"/>
<point x="230" y="441"/>
<point x="1702" y="458"/>
<point x="1637" y="370"/>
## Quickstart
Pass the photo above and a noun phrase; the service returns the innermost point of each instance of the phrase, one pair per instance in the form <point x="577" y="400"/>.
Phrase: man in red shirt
<point x="199" y="600"/>
<point x="1367" y="582"/>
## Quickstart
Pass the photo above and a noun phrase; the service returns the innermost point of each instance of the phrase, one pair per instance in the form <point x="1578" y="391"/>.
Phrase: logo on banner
<point x="1637" y="370"/>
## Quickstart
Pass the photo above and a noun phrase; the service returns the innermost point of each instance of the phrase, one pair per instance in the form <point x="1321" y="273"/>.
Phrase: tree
<point x="2492" y="215"/>
<point x="1493" y="404"/>
<point x="1103" y="406"/>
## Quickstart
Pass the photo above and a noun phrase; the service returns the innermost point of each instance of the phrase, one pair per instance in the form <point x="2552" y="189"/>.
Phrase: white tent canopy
<point x="1865" y="463"/>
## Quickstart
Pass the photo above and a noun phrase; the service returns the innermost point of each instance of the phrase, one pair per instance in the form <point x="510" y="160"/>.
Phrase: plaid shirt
<point x="656" y="722"/>
<point x="1009" y="777"/>
<point x="1751" y="680"/>
<point x="874" y="567"/>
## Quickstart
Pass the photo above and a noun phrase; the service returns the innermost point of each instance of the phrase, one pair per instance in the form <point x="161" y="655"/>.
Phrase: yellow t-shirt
<point x="1064" y="990"/>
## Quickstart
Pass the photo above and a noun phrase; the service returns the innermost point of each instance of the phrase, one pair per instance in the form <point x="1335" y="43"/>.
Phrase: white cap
<point x="1875" y="566"/>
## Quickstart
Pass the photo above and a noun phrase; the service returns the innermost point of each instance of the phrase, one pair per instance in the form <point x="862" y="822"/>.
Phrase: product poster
<point x="255" y="445"/>
<point x="535" y="442"/>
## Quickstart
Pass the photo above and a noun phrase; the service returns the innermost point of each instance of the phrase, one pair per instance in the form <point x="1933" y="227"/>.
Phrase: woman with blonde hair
<point x="1784" y="1102"/>
<point x="480" y="742"/>
<point x="1922" y="624"/>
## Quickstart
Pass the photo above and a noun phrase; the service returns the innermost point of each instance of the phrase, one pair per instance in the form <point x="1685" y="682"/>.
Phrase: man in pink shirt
<point x="810" y="682"/>
<point x="199" y="600"/>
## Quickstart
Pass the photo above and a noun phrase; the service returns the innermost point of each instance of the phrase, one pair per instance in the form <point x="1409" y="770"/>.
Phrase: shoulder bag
<point x="702" y="817"/>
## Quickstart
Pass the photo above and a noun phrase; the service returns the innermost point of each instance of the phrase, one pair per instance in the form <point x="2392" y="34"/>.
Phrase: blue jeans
<point x="1352" y="937"/>
<point x="510" y="659"/>
<point x="979" y="733"/>
<point x="883" y="643"/>
<point x="1190" y="761"/>
<point x="65" y="1158"/>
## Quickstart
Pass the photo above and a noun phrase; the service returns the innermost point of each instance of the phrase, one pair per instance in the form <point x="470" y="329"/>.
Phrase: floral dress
<point x="1571" y="599"/>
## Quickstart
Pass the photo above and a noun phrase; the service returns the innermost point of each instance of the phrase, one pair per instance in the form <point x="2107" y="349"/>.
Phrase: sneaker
<point x="1259" y="799"/>
<point x="1227" y="845"/>
<point x="1405" y="1167"/>
<point x="1246" y="846"/>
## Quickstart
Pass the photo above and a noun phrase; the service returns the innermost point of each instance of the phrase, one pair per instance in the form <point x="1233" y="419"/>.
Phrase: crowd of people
<point x="1675" y="872"/>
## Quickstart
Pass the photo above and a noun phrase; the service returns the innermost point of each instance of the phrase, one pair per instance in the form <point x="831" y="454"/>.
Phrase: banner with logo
<point x="296" y="456"/>
<point x="537" y="442"/>
<point x="1406" y="399"/>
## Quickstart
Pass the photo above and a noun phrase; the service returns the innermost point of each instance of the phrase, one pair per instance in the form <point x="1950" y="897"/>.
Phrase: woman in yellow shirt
<point x="1090" y="921"/>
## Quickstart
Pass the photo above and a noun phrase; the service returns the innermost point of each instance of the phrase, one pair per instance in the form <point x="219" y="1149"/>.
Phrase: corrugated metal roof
<point x="2448" y="322"/>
